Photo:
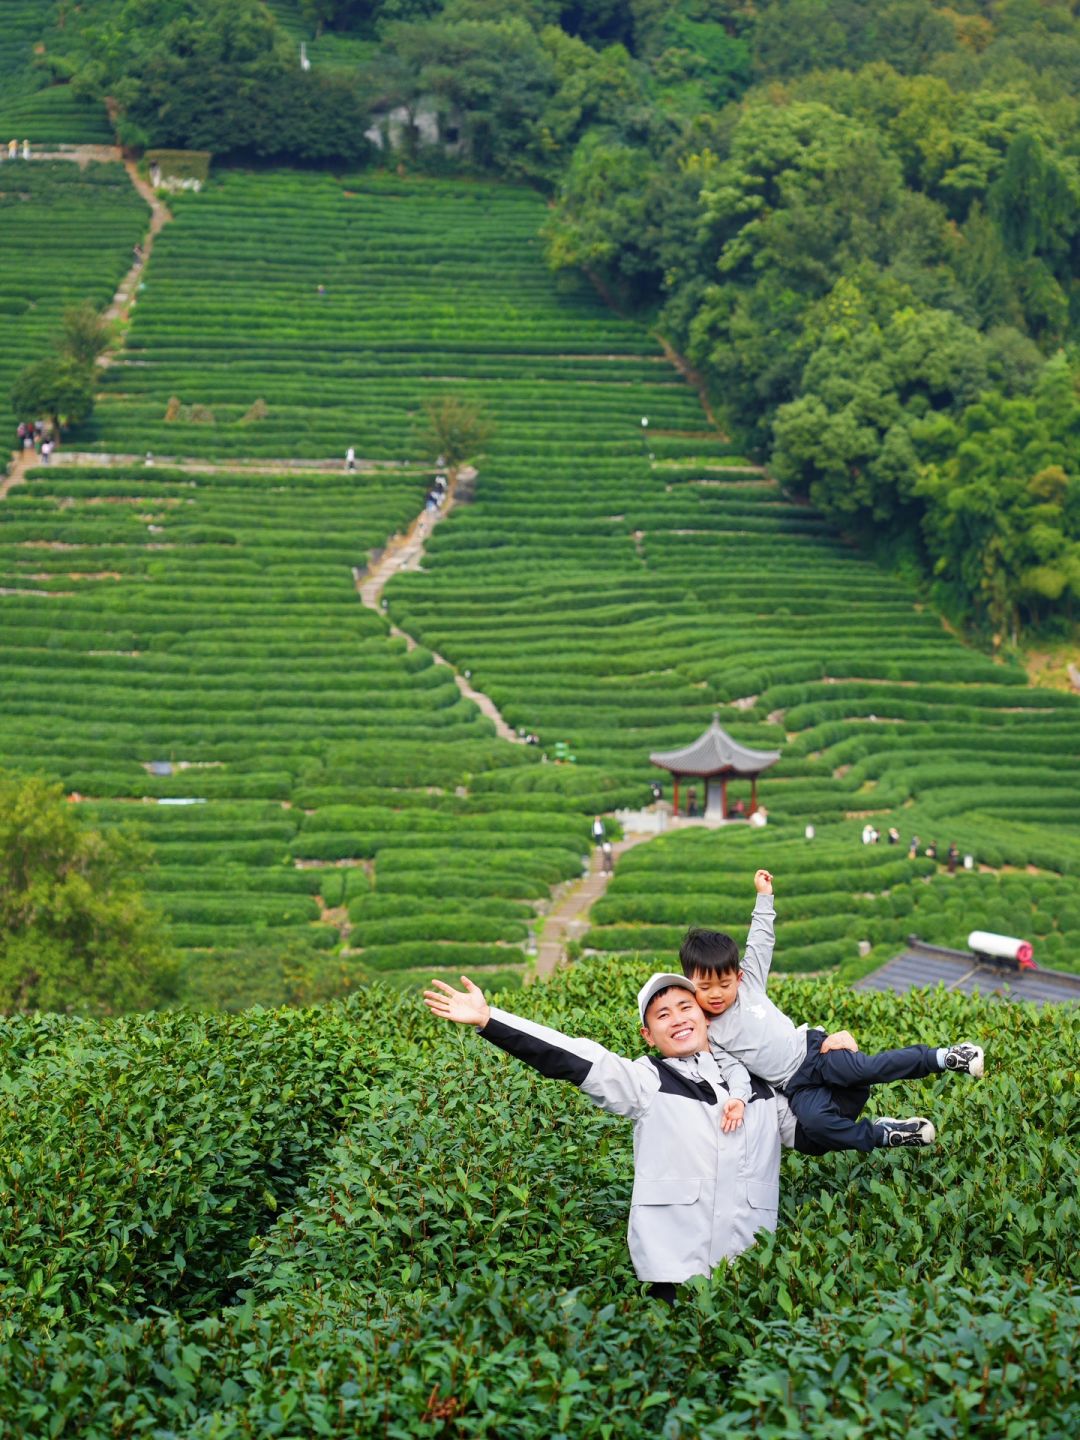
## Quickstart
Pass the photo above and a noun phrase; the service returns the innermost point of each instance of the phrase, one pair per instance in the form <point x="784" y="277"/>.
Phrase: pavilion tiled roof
<point x="714" y="753"/>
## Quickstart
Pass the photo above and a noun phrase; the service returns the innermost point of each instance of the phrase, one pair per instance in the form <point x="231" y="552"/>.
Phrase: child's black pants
<point x="827" y="1092"/>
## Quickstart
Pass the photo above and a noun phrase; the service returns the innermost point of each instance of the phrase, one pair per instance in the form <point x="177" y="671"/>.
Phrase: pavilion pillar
<point x="723" y="797"/>
<point x="675" y="807"/>
<point x="753" y="793"/>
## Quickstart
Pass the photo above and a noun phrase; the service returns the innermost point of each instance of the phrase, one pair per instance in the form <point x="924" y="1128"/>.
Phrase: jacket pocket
<point x="666" y="1192"/>
<point x="761" y="1196"/>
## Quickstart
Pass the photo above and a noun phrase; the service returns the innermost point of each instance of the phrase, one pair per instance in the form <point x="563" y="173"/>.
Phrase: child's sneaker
<point x="915" y="1131"/>
<point x="965" y="1058"/>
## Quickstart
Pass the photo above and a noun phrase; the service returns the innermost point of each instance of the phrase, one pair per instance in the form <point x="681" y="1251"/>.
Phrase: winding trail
<point x="568" y="920"/>
<point x="21" y="462"/>
<point x="83" y="155"/>
<point x="160" y="215"/>
<point x="405" y="553"/>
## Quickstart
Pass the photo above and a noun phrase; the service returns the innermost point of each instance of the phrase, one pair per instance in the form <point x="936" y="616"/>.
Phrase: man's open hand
<point x="468" y="1008"/>
<point x="763" y="882"/>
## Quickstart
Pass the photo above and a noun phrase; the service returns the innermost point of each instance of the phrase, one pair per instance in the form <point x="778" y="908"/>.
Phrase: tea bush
<point x="359" y="1220"/>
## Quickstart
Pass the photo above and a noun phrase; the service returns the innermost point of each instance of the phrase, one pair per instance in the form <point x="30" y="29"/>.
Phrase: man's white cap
<point x="655" y="984"/>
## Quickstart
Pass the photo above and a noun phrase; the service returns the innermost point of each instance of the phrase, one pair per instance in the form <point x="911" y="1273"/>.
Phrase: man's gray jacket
<point x="699" y="1195"/>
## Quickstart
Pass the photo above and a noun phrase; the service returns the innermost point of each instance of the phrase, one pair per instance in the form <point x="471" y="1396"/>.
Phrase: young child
<point x="825" y="1091"/>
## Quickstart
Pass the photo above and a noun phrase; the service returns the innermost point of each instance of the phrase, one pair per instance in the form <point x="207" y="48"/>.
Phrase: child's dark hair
<point x="707" y="952"/>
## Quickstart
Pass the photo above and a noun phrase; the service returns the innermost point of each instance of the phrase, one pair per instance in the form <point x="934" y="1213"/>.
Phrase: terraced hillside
<point x="426" y="286"/>
<point x="329" y="50"/>
<point x="208" y="627"/>
<point x="618" y="605"/>
<point x="213" y="618"/>
<point x="66" y="235"/>
<point x="30" y="107"/>
<point x="613" y="586"/>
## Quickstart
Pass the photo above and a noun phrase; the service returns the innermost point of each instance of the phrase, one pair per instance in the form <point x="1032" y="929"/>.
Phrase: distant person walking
<point x="350" y="460"/>
<point x="952" y="857"/>
<point x="598" y="830"/>
<point x="13" y="150"/>
<point x="609" y="857"/>
<point x="26" y="149"/>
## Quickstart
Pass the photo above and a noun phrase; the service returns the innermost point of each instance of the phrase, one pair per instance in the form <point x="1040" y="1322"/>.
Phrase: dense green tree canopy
<point x="58" y="388"/>
<point x="75" y="932"/>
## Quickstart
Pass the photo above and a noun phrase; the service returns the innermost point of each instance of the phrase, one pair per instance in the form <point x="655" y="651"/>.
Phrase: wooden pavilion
<point x="716" y="758"/>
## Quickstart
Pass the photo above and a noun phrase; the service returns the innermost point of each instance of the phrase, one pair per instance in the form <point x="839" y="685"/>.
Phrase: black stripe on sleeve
<point x="551" y="1060"/>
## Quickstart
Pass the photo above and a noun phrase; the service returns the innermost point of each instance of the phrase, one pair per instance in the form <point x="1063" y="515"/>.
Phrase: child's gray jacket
<point x="699" y="1195"/>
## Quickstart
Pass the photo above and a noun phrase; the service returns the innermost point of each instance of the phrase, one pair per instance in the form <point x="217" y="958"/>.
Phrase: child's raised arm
<point x="758" y="952"/>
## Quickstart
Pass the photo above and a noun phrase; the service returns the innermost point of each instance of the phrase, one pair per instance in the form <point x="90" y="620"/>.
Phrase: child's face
<point x="716" y="992"/>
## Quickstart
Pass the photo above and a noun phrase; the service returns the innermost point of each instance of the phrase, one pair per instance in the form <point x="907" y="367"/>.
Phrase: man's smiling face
<point x="674" y="1023"/>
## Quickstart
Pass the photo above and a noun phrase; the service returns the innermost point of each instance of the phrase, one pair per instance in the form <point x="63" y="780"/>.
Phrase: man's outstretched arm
<point x="613" y="1083"/>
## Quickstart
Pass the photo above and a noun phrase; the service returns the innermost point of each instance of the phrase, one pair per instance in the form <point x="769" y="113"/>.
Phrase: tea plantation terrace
<point x="31" y="107"/>
<point x="343" y="304"/>
<point x="602" y="598"/>
<point x="211" y="622"/>
<point x="66" y="235"/>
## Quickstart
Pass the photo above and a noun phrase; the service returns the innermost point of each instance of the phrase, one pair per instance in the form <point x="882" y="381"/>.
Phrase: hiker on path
<point x="701" y="1190"/>
<point x="350" y="460"/>
<point x="13" y="150"/>
<point x="26" y="149"/>
<point x="598" y="831"/>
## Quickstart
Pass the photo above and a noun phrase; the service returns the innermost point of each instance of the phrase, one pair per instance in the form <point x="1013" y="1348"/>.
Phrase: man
<point x="705" y="1181"/>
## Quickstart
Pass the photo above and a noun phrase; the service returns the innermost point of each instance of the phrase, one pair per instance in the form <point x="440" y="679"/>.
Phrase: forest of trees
<point x="858" y="219"/>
